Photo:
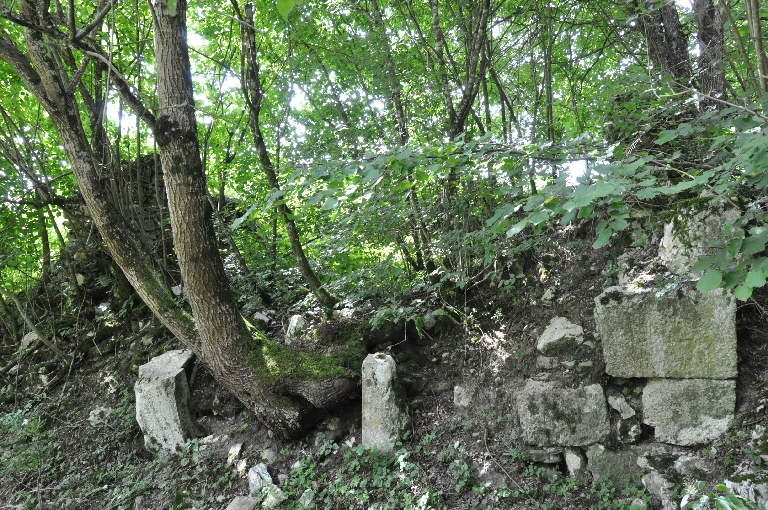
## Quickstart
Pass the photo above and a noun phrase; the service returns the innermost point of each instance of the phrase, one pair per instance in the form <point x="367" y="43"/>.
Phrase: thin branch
<point x="40" y="335"/>
<point x="96" y="21"/>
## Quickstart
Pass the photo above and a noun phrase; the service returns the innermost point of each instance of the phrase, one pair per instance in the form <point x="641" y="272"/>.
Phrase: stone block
<point x="243" y="503"/>
<point x="297" y="325"/>
<point x="554" y="416"/>
<point x="688" y="236"/>
<point x="677" y="333"/>
<point x="575" y="463"/>
<point x="385" y="413"/>
<point x="162" y="396"/>
<point x="615" y="467"/>
<point x="560" y="336"/>
<point x="688" y="411"/>
<point x="462" y="395"/>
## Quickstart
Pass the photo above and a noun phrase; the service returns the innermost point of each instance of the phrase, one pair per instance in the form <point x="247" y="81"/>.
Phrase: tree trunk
<point x="253" y="96"/>
<point x="237" y="360"/>
<point x="667" y="42"/>
<point x="711" y="21"/>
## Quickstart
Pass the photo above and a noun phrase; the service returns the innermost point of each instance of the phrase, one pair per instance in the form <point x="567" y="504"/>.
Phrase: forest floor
<point x="76" y="444"/>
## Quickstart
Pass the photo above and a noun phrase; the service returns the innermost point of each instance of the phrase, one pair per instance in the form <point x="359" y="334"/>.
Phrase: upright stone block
<point x="689" y="411"/>
<point x="162" y="396"/>
<point x="554" y="416"/>
<point x="678" y="332"/>
<point x="687" y="237"/>
<point x="385" y="413"/>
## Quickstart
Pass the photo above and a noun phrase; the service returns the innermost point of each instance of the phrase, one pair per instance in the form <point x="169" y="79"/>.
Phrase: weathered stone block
<point x="162" y="396"/>
<point x="553" y="416"/>
<point x="688" y="236"/>
<point x="678" y="332"/>
<point x="688" y="411"/>
<point x="243" y="503"/>
<point x="385" y="413"/>
<point x="615" y="467"/>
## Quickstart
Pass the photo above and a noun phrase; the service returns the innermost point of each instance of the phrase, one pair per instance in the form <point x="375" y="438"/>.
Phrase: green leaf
<point x="284" y="7"/>
<point x="755" y="243"/>
<point x="618" y="224"/>
<point x="746" y="123"/>
<point x="602" y="239"/>
<point x="666" y="136"/>
<point x="329" y="203"/>
<point x="517" y="228"/>
<point x="647" y="193"/>
<point x="742" y="292"/>
<point x="567" y="217"/>
<point x="538" y="217"/>
<point x="244" y="218"/>
<point x="710" y="281"/>
<point x="586" y="211"/>
<point x="755" y="277"/>
<point x="702" y="264"/>
<point x="172" y="7"/>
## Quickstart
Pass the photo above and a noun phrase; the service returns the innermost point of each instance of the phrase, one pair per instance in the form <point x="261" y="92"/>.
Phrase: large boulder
<point x="162" y="396"/>
<point x="554" y="416"/>
<point x="688" y="411"/>
<point x="385" y="412"/>
<point x="687" y="237"/>
<point x="678" y="332"/>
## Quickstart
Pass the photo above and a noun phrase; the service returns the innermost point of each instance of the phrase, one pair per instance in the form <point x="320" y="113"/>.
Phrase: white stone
<point x="546" y="362"/>
<point x="243" y="503"/>
<point x="430" y="320"/>
<point x="296" y="326"/>
<point x="162" y="396"/>
<point x="614" y="466"/>
<point x="269" y="455"/>
<point x="462" y="396"/>
<point x="99" y="415"/>
<point x="656" y="484"/>
<point x="274" y="496"/>
<point x="258" y="477"/>
<point x="29" y="339"/>
<point x="234" y="453"/>
<point x="575" y="463"/>
<point x="385" y="413"/>
<point x="307" y="497"/>
<point x="689" y="411"/>
<point x="619" y="404"/>
<point x="560" y="334"/>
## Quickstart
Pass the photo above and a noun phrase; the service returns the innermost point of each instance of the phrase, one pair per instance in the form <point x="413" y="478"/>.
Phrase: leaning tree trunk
<point x="236" y="359"/>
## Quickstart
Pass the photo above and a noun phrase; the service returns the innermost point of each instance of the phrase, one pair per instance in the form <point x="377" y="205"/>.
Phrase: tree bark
<point x="667" y="42"/>
<point x="710" y="35"/>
